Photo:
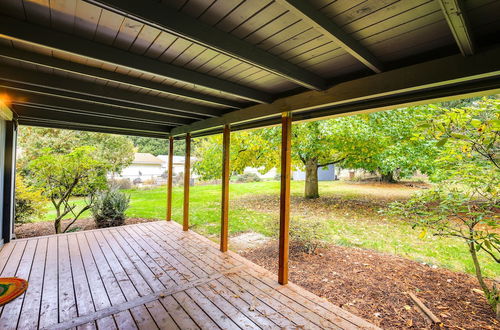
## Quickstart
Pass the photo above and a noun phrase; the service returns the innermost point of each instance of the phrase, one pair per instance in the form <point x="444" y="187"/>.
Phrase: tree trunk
<point x="388" y="177"/>
<point x="57" y="226"/>
<point x="491" y="295"/>
<point x="311" y="188"/>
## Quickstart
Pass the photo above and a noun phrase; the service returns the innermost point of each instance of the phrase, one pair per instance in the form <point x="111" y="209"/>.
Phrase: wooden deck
<point x="150" y="276"/>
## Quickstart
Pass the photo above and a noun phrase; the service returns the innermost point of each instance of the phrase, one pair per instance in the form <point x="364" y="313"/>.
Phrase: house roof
<point x="146" y="158"/>
<point x="177" y="159"/>
<point x="157" y="69"/>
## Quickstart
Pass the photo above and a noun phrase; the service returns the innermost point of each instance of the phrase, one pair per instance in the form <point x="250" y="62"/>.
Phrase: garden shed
<point x="179" y="69"/>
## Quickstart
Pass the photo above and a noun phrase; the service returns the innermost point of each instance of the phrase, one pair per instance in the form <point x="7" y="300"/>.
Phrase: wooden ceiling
<point x="160" y="68"/>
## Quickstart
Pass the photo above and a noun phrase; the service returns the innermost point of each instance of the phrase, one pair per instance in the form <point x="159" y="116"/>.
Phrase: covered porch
<point x="150" y="276"/>
<point x="186" y="69"/>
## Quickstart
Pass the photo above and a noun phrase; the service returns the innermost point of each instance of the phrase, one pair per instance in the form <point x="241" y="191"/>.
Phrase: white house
<point x="145" y="166"/>
<point x="269" y="175"/>
<point x="178" y="164"/>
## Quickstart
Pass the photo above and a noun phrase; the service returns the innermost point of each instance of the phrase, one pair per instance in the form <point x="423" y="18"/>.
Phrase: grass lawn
<point x="356" y="224"/>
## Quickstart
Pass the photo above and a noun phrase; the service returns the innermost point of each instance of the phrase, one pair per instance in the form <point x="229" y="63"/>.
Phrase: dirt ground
<point x="375" y="285"/>
<point x="47" y="227"/>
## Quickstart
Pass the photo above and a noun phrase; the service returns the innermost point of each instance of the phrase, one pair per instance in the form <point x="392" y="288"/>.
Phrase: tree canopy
<point x="379" y="142"/>
<point x="115" y="150"/>
<point x="157" y="146"/>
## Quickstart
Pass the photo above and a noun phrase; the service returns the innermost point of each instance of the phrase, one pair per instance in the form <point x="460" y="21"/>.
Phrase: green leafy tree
<point x="378" y="142"/>
<point x="382" y="143"/>
<point x="30" y="202"/>
<point x="157" y="146"/>
<point x="62" y="176"/>
<point x="115" y="150"/>
<point x="465" y="202"/>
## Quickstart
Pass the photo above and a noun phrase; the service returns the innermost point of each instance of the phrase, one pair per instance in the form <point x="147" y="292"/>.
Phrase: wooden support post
<point x="226" y="146"/>
<point x="187" y="170"/>
<point x="286" y="146"/>
<point x="169" y="177"/>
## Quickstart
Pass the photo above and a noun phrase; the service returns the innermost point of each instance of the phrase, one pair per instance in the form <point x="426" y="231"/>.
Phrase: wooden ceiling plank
<point x="186" y="27"/>
<point x="31" y="95"/>
<point x="93" y="91"/>
<point x="100" y="112"/>
<point x="83" y="70"/>
<point x="326" y="26"/>
<point x="15" y="29"/>
<point x="456" y="16"/>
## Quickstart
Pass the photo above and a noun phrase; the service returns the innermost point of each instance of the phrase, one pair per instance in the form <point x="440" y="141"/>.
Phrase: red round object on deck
<point x="11" y="288"/>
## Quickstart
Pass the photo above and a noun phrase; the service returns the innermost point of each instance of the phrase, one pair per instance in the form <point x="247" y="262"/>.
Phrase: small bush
<point x="307" y="234"/>
<point x="248" y="177"/>
<point x="30" y="203"/>
<point x="109" y="208"/>
<point x="149" y="182"/>
<point x="120" y="183"/>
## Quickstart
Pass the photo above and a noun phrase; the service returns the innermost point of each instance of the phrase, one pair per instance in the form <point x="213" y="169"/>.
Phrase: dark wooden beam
<point x="415" y="83"/>
<point x="286" y="146"/>
<point x="104" y="75"/>
<point x="51" y="39"/>
<point x="104" y="111"/>
<point x="57" y="116"/>
<point x="170" y="177"/>
<point x="21" y="93"/>
<point x="306" y="11"/>
<point x="92" y="113"/>
<point x="184" y="26"/>
<point x="226" y="155"/>
<point x="9" y="181"/>
<point x="187" y="182"/>
<point x="66" y="87"/>
<point x="88" y="128"/>
<point x="456" y="16"/>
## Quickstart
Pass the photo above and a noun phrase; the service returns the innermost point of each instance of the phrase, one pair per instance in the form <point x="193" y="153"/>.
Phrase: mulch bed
<point x="373" y="285"/>
<point x="33" y="229"/>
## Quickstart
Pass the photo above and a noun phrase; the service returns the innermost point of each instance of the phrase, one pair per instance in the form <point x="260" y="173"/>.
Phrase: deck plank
<point x="172" y="247"/>
<point x="179" y="315"/>
<point x="96" y="287"/>
<point x="67" y="300"/>
<point x="112" y="288"/>
<point x="229" y="310"/>
<point x="236" y="308"/>
<point x="147" y="260"/>
<point x="33" y="297"/>
<point x="194" y="311"/>
<point x="141" y="315"/>
<point x="11" y="311"/>
<point x="153" y="276"/>
<point x="49" y="308"/>
<point x="160" y="250"/>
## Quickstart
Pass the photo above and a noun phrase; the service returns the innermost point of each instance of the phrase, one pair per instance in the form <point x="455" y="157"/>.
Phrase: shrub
<point x="120" y="183"/>
<point x="30" y="203"/>
<point x="307" y="234"/>
<point x="109" y="208"/>
<point x="248" y="177"/>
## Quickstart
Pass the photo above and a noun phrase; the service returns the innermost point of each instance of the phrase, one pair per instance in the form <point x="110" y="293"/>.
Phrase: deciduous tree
<point x="378" y="142"/>
<point x="465" y="202"/>
<point x="61" y="176"/>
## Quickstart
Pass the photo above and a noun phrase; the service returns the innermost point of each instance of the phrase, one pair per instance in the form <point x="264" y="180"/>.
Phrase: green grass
<point x="363" y="228"/>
